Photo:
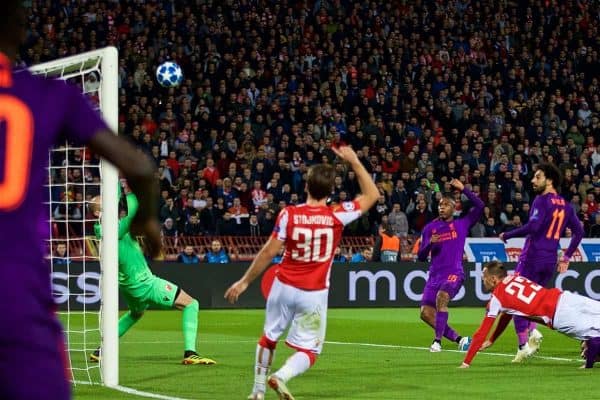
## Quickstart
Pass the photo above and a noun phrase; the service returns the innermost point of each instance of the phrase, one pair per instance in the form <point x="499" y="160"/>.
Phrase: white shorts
<point x="304" y="310"/>
<point x="577" y="316"/>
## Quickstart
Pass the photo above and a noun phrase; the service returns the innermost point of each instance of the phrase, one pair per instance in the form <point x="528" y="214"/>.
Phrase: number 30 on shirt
<point x="17" y="120"/>
<point x="312" y="245"/>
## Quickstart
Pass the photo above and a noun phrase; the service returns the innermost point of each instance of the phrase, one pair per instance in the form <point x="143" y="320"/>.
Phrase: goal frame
<point x="65" y="68"/>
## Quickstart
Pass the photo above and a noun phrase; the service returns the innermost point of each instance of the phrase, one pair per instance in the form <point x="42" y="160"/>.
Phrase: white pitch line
<point x="140" y="393"/>
<point x="385" y="346"/>
<point x="393" y="346"/>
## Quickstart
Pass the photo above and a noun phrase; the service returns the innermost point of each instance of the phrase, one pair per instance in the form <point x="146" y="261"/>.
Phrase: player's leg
<point x="167" y="295"/>
<point x="131" y="317"/>
<point x="278" y="316"/>
<point x="428" y="302"/>
<point x="529" y="338"/>
<point x="189" y="307"/>
<point x="428" y="309"/>
<point x="448" y="290"/>
<point x="137" y="307"/>
<point x="306" y="336"/>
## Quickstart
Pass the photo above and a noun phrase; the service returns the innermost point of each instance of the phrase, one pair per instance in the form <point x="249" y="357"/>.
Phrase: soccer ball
<point x="464" y="344"/>
<point x="169" y="74"/>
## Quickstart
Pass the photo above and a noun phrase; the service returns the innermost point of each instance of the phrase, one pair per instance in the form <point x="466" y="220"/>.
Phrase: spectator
<point x="188" y="256"/>
<point x="363" y="256"/>
<point x="169" y="229"/>
<point x="253" y="228"/>
<point x="387" y="245"/>
<point x="226" y="226"/>
<point x="216" y="254"/>
<point x="398" y="221"/>
<point x="594" y="231"/>
<point x="499" y="107"/>
<point x="60" y="254"/>
<point x="491" y="229"/>
<point x="193" y="227"/>
<point x="338" y="257"/>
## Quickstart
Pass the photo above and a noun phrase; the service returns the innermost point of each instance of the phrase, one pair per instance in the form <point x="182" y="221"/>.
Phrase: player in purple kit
<point x="550" y="214"/>
<point x="35" y="114"/>
<point x="445" y="239"/>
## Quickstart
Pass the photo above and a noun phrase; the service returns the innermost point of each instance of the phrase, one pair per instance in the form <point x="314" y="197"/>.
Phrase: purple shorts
<point x="540" y="273"/>
<point x="448" y="283"/>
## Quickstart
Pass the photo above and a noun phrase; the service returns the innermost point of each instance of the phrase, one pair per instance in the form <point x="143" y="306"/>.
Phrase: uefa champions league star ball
<point x="169" y="74"/>
<point x="464" y="344"/>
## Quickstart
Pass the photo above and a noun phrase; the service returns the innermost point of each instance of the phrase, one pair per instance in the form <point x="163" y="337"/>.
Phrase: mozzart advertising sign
<point x="483" y="250"/>
<point x="351" y="285"/>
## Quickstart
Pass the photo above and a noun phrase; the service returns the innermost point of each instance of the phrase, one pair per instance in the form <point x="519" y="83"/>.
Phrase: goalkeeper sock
<point x="297" y="364"/>
<point x="441" y="321"/>
<point x="190" y="326"/>
<point x="126" y="322"/>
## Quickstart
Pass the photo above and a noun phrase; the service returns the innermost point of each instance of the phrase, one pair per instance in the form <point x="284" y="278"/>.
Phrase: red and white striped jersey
<point x="518" y="295"/>
<point x="311" y="235"/>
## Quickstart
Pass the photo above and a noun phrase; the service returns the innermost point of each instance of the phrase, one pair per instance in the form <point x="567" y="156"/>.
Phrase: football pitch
<point x="369" y="354"/>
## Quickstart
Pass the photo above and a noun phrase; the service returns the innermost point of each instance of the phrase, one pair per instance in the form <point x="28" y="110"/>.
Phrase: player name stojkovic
<point x="313" y="219"/>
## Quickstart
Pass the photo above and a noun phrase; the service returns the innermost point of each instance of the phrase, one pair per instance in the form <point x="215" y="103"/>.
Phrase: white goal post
<point x="102" y="63"/>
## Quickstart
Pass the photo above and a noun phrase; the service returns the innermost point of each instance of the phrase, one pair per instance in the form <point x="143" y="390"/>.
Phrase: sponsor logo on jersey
<point x="168" y="287"/>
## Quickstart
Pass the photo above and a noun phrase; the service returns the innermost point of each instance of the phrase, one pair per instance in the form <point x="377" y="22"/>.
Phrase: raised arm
<point x="476" y="211"/>
<point x="477" y="204"/>
<point x="425" y="246"/>
<point x="132" y="208"/>
<point x="535" y="224"/>
<point x="139" y="171"/>
<point x="369" y="192"/>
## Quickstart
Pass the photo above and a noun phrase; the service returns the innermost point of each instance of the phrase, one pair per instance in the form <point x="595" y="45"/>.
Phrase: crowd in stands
<point x="425" y="91"/>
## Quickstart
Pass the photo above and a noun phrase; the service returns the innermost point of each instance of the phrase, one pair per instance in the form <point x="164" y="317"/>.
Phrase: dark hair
<point x="320" y="181"/>
<point x="387" y="228"/>
<point x="496" y="268"/>
<point x="552" y="173"/>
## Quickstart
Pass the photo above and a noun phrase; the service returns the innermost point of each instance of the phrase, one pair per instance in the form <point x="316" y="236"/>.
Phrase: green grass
<point x="369" y="354"/>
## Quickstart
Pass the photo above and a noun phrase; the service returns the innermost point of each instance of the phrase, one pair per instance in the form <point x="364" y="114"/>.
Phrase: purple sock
<point x="441" y="321"/>
<point x="450" y="333"/>
<point x="532" y="325"/>
<point x="521" y="326"/>
<point x="593" y="348"/>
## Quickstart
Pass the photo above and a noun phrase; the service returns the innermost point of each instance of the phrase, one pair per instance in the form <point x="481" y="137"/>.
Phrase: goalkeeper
<point x="141" y="288"/>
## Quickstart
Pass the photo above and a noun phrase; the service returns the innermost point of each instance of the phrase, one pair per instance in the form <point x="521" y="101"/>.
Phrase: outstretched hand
<point x="233" y="293"/>
<point x="345" y="153"/>
<point x="457" y="184"/>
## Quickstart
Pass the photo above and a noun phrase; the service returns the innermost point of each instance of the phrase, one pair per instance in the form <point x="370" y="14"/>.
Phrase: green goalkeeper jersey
<point x="134" y="272"/>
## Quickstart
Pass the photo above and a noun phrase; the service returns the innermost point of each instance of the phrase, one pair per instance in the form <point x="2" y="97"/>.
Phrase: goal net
<point x="84" y="269"/>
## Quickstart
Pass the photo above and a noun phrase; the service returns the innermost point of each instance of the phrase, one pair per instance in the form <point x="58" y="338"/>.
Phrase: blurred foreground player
<point x="36" y="114"/>
<point x="298" y="297"/>
<point x="569" y="313"/>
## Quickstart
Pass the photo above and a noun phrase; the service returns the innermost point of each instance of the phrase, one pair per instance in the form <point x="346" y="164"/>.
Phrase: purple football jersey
<point x="447" y="253"/>
<point x="550" y="214"/>
<point x="35" y="114"/>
